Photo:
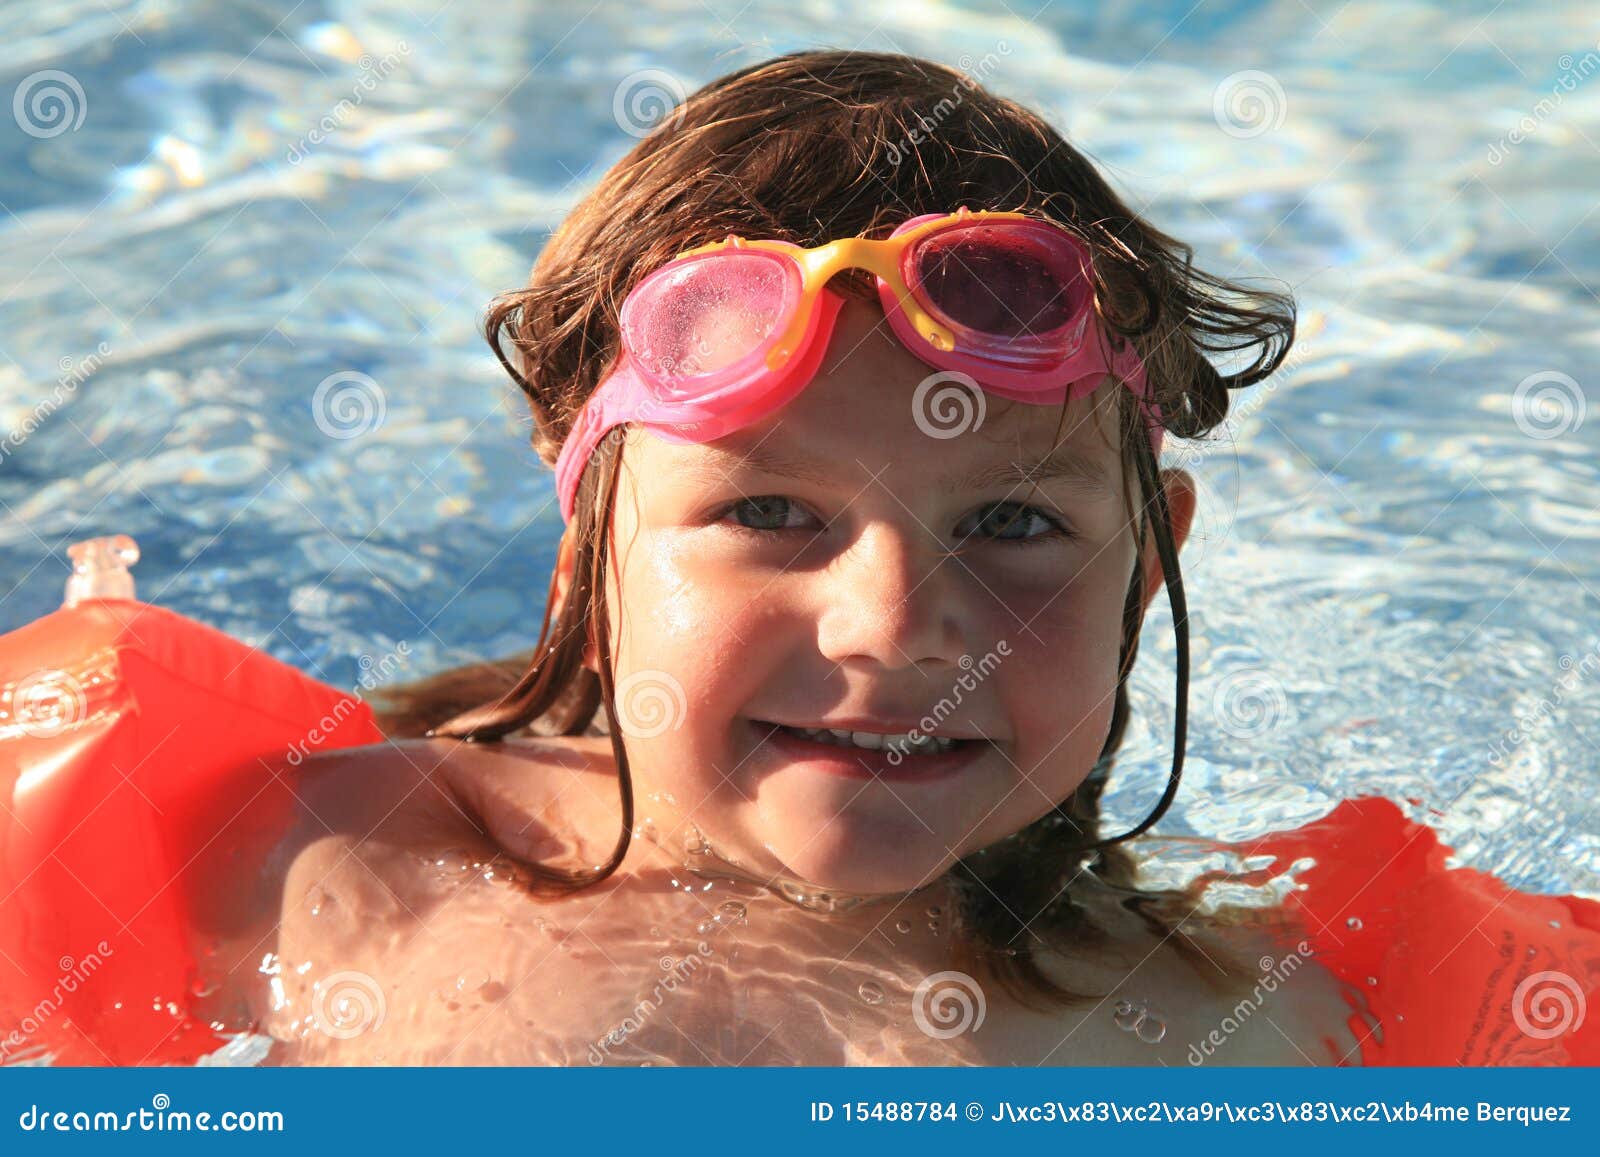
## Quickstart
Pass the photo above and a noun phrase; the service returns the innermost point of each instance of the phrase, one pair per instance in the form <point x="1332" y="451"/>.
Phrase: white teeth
<point x="907" y="743"/>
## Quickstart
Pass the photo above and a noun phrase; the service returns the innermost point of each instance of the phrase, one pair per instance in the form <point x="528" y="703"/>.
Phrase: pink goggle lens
<point x="1016" y="291"/>
<point x="695" y="319"/>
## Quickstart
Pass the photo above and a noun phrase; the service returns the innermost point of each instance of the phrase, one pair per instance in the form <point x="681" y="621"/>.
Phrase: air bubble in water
<point x="902" y="926"/>
<point x="1354" y="923"/>
<point x="1150" y="1030"/>
<point x="871" y="992"/>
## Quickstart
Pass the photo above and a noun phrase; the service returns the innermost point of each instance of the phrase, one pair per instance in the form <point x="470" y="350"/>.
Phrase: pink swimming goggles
<point x="726" y="333"/>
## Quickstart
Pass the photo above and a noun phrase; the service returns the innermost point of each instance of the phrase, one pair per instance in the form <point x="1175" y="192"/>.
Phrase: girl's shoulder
<point x="400" y="882"/>
<point x="1208" y="992"/>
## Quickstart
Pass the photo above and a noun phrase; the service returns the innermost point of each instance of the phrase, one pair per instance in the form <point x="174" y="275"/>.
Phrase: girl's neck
<point x="676" y="843"/>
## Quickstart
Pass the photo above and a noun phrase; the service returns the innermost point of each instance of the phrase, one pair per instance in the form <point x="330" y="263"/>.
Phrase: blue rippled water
<point x="1399" y="546"/>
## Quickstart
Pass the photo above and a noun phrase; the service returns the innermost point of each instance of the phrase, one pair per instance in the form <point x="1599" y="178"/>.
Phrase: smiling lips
<point x="900" y="755"/>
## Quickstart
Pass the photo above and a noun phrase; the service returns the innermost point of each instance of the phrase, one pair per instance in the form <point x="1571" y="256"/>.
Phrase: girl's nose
<point x="894" y="596"/>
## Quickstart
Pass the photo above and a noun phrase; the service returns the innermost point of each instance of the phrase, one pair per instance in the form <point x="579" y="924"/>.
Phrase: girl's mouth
<point x="906" y="756"/>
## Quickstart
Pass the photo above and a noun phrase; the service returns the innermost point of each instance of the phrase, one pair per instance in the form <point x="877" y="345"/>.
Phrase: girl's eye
<point x="1012" y="522"/>
<point x="766" y="512"/>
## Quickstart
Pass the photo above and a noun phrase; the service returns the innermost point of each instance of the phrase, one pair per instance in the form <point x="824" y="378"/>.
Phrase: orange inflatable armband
<point x="132" y="740"/>
<point x="1455" y="967"/>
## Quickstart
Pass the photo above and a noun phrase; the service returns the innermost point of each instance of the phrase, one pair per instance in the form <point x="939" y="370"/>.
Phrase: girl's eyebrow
<point x="1065" y="464"/>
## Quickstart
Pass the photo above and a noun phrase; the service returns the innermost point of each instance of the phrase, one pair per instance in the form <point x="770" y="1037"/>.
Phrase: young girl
<point x="863" y="514"/>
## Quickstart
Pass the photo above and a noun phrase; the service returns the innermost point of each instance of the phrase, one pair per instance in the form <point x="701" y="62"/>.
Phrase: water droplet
<point x="731" y="913"/>
<point x="705" y="927"/>
<point x="933" y="910"/>
<point x="202" y="987"/>
<point x="471" y="980"/>
<point x="939" y="342"/>
<point x="933" y="925"/>
<point x="1372" y="980"/>
<point x="1150" y="1030"/>
<point x="1128" y="1017"/>
<point x="902" y="926"/>
<point x="655" y="932"/>
<point x="1353" y="923"/>
<point x="871" y="992"/>
<point x="1555" y="924"/>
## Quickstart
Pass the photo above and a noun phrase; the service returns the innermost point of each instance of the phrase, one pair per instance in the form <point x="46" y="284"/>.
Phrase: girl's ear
<point x="1180" y="505"/>
<point x="566" y="561"/>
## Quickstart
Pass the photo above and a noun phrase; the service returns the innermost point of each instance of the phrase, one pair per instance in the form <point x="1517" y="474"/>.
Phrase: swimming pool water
<point x="245" y="256"/>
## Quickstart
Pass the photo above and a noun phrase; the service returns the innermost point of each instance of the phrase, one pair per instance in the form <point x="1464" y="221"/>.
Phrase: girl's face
<point x="798" y="572"/>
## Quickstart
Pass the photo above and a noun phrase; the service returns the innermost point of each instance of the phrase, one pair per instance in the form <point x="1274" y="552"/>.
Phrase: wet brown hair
<point x="809" y="147"/>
